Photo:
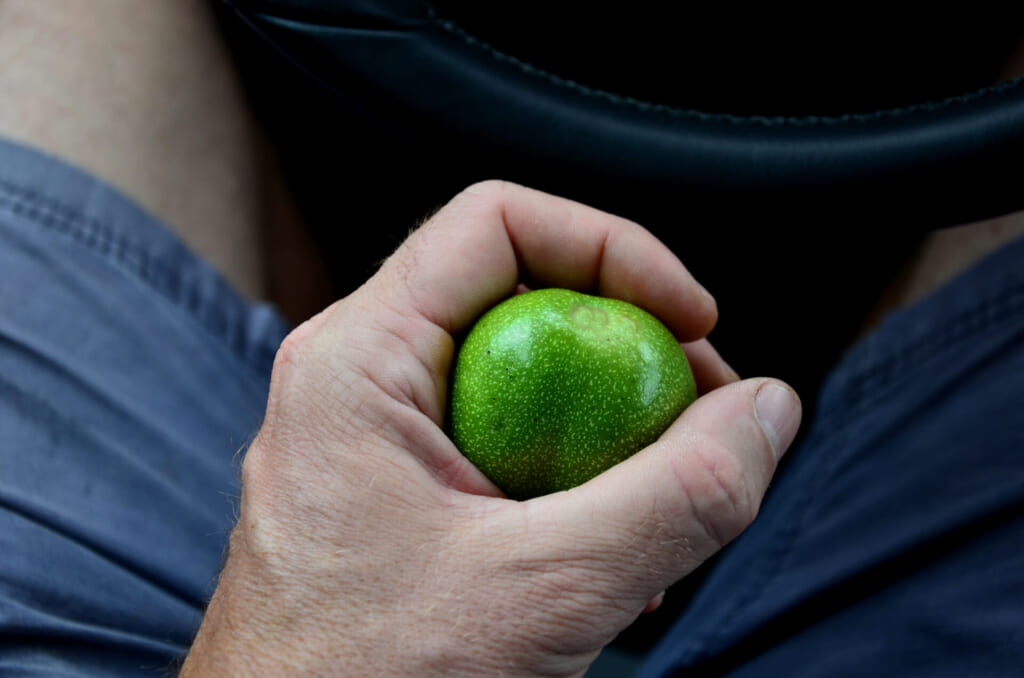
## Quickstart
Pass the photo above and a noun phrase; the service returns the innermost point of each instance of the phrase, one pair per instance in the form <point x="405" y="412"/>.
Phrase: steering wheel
<point x="794" y="216"/>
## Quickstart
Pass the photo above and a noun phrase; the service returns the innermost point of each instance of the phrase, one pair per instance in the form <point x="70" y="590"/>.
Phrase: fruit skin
<point x="552" y="387"/>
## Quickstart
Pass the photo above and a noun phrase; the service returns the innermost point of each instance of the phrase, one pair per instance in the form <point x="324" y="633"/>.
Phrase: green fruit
<point x="552" y="387"/>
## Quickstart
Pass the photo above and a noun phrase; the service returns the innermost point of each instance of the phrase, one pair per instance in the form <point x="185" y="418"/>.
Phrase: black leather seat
<point x="791" y="168"/>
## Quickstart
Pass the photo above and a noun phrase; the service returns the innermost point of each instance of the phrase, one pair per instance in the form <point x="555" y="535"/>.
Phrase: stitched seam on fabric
<point x="760" y="120"/>
<point x="874" y="382"/>
<point x="128" y="254"/>
<point x="909" y="359"/>
<point x="61" y="219"/>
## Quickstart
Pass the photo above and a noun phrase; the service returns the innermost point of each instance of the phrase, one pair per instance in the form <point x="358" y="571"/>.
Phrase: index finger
<point x="471" y="254"/>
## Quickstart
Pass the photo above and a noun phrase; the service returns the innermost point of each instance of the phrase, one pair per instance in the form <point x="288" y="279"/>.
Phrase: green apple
<point x="553" y="387"/>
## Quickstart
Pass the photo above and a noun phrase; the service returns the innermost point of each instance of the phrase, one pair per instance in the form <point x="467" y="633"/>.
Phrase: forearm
<point x="228" y="642"/>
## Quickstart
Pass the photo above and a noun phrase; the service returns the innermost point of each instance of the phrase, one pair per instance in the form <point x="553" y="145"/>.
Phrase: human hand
<point x="368" y="545"/>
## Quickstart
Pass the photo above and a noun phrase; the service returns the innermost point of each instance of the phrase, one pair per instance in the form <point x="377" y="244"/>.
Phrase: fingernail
<point x="778" y="412"/>
<point x="730" y="372"/>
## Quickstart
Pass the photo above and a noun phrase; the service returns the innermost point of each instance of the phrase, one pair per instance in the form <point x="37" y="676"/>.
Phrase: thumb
<point x="655" y="517"/>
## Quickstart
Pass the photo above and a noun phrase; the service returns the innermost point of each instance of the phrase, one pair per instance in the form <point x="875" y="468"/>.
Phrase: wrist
<point x="228" y="640"/>
<point x="259" y="623"/>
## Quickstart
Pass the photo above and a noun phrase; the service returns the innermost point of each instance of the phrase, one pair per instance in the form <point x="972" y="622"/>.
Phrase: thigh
<point x="131" y="378"/>
<point x="890" y="542"/>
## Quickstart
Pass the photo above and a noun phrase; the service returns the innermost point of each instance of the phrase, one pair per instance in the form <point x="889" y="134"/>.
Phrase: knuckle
<point x="295" y="351"/>
<point x="488" y="188"/>
<point x="486" y="196"/>
<point x="283" y="375"/>
<point x="718" y="489"/>
<point x="290" y="352"/>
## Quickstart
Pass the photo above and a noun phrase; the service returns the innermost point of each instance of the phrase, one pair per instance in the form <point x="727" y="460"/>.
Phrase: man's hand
<point x="368" y="545"/>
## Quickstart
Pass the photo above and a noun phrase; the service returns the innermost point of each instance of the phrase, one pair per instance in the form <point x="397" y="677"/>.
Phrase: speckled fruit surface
<point x="552" y="387"/>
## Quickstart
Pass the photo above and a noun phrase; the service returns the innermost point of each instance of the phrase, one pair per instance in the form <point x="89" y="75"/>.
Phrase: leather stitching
<point x="760" y="120"/>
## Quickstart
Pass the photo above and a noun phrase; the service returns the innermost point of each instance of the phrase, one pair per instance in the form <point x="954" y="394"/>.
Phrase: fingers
<point x="709" y="370"/>
<point x="654" y="603"/>
<point x="661" y="513"/>
<point x="473" y="252"/>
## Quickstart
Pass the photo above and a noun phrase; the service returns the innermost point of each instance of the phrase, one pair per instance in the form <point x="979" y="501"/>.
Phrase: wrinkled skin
<point x="367" y="545"/>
